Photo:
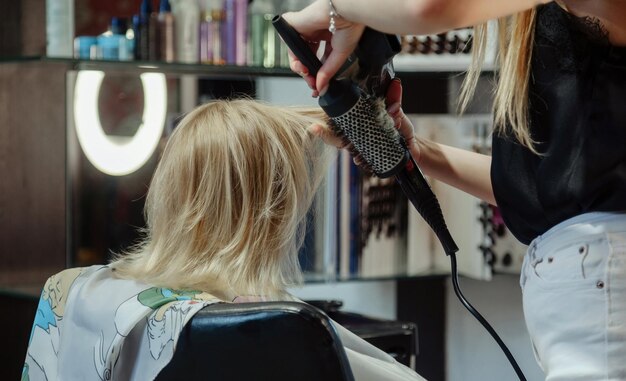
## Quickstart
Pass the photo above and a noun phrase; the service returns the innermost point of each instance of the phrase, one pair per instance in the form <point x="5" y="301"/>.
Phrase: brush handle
<point x="297" y="45"/>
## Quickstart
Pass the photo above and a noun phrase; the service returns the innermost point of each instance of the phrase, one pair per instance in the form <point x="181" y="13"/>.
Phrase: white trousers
<point x="574" y="293"/>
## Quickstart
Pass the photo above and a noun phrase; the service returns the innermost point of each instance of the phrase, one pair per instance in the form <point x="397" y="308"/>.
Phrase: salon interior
<point x="90" y="92"/>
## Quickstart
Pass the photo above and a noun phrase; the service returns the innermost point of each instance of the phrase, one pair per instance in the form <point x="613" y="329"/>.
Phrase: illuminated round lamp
<point x="118" y="155"/>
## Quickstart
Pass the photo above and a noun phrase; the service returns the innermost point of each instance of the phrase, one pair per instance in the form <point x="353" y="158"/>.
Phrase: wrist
<point x="310" y="20"/>
<point x="333" y="14"/>
<point x="418" y="150"/>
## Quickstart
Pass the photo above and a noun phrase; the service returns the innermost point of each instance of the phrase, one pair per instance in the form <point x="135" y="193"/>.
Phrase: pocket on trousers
<point x="580" y="264"/>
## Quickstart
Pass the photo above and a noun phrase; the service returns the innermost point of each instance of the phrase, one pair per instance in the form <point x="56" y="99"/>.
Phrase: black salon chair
<point x="397" y="338"/>
<point x="272" y="341"/>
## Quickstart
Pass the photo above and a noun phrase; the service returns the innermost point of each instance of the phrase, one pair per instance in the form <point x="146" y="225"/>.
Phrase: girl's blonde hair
<point x="227" y="204"/>
<point x="510" y="108"/>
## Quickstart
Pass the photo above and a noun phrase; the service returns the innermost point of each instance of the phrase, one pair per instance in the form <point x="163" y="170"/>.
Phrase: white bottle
<point x="282" y="59"/>
<point x="59" y="28"/>
<point x="261" y="34"/>
<point x="187" y="24"/>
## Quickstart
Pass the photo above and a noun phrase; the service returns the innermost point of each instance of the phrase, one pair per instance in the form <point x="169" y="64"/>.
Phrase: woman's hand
<point x="394" y="108"/>
<point x="312" y="23"/>
<point x="401" y="121"/>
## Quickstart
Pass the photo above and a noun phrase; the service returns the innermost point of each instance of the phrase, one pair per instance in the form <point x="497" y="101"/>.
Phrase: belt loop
<point x="529" y="258"/>
<point x="532" y="249"/>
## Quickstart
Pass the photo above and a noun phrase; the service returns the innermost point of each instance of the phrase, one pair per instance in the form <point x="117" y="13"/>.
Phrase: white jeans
<point x="574" y="293"/>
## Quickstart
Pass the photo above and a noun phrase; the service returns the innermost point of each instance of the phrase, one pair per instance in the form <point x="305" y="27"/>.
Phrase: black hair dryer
<point x="370" y="66"/>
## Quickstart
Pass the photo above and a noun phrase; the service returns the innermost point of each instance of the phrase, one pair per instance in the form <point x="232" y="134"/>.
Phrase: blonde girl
<point x="226" y="212"/>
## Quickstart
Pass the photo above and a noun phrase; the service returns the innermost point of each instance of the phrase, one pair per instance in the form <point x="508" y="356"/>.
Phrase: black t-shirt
<point x="578" y="115"/>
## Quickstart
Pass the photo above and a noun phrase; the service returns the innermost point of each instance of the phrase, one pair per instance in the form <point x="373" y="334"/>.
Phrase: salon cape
<point x="92" y="325"/>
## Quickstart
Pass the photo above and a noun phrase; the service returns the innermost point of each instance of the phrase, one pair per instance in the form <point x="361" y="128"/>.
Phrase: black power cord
<point x="420" y="194"/>
<point x="480" y="318"/>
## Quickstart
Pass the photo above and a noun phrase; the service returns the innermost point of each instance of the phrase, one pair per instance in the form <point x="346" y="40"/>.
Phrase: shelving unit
<point x="447" y="63"/>
<point x="214" y="71"/>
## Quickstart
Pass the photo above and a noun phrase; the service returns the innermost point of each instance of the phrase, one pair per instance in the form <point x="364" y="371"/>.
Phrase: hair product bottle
<point x="228" y="32"/>
<point x="112" y="44"/>
<point x="186" y="31"/>
<point x="235" y="31"/>
<point x="154" y="36"/>
<point x="136" y="28"/>
<point x="241" y="32"/>
<point x="166" y="32"/>
<point x="210" y="33"/>
<point x="263" y="39"/>
<point x="206" y="38"/>
<point x="59" y="28"/>
<point x="142" y="32"/>
<point x="119" y="39"/>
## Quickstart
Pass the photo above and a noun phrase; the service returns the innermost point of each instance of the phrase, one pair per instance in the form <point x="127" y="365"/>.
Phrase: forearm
<point x="427" y="16"/>
<point x="462" y="169"/>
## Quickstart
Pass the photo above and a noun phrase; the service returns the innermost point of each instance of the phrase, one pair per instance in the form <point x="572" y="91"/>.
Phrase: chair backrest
<point x="259" y="341"/>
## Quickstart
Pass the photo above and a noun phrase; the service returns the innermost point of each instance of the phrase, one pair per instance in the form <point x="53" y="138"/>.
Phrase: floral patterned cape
<point x="144" y="327"/>
<point x="91" y="325"/>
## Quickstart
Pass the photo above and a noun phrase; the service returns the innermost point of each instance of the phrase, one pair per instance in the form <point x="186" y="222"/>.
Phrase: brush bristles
<point x="373" y="139"/>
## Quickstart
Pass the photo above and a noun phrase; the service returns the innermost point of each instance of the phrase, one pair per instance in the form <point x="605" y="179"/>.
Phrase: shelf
<point x="324" y="278"/>
<point x="448" y="62"/>
<point x="444" y="63"/>
<point x="403" y="64"/>
<point x="221" y="71"/>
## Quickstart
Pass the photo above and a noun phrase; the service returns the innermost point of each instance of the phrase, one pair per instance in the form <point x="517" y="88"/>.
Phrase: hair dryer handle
<point x="297" y="45"/>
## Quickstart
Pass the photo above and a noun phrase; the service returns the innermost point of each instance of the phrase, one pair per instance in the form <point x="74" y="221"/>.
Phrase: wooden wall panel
<point x="32" y="172"/>
<point x="23" y="28"/>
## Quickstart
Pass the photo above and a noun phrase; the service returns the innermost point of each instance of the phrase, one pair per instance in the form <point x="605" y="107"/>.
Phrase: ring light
<point x="118" y="155"/>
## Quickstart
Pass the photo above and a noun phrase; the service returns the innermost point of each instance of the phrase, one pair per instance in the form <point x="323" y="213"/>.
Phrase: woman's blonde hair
<point x="510" y="108"/>
<point x="228" y="201"/>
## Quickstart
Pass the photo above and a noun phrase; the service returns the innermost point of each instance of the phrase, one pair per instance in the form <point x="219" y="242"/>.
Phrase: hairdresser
<point x="558" y="165"/>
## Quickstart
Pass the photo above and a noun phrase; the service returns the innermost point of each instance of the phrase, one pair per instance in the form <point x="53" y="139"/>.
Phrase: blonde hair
<point x="515" y="45"/>
<point x="226" y="207"/>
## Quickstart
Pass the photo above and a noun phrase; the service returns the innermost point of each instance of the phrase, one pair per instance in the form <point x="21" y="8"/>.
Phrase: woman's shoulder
<point x="601" y="18"/>
<point x="65" y="278"/>
<point x="570" y="41"/>
<point x="554" y="21"/>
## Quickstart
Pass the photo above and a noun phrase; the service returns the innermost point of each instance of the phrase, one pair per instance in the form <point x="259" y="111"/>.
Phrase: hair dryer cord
<point x="478" y="316"/>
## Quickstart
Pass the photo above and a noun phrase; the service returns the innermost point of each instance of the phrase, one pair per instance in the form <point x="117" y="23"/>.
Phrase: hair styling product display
<point x="215" y="32"/>
<point x="458" y="41"/>
<point x="355" y="104"/>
